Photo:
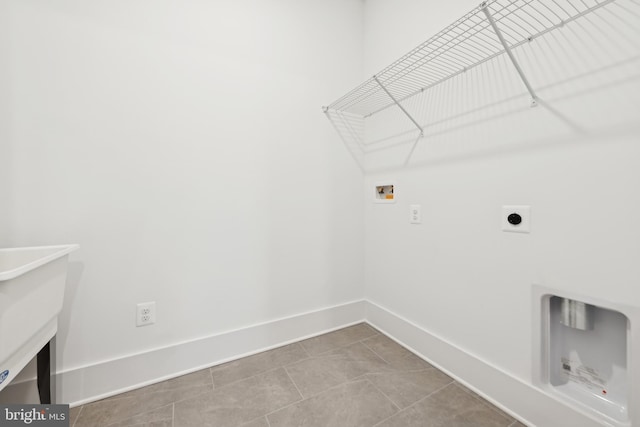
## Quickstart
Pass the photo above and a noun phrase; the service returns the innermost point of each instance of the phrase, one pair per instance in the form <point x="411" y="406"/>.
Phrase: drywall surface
<point x="573" y="159"/>
<point x="183" y="146"/>
<point x="5" y="131"/>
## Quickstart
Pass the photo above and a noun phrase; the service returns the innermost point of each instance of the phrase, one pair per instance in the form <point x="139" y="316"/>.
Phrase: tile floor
<point x="351" y="377"/>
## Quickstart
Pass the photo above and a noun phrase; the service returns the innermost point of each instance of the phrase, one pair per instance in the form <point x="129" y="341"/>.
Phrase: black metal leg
<point x="46" y="359"/>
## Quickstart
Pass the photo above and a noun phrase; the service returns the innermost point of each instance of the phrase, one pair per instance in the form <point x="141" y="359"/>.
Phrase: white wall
<point x="574" y="159"/>
<point x="182" y="145"/>
<point x="5" y="118"/>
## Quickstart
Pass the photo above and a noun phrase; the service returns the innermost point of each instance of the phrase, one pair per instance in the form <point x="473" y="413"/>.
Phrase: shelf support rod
<point x="399" y="105"/>
<point x="507" y="49"/>
<point x="413" y="147"/>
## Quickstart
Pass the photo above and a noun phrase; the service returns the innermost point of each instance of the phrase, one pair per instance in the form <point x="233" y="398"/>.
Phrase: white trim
<point x="231" y="332"/>
<point x="85" y="384"/>
<point x="519" y="398"/>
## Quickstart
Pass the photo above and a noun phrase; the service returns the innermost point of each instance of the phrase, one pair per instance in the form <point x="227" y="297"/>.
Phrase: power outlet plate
<point x="415" y="214"/>
<point x="146" y="313"/>
<point x="524" y="212"/>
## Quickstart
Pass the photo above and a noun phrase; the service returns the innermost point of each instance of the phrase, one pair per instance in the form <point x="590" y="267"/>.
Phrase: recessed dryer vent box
<point x="384" y="193"/>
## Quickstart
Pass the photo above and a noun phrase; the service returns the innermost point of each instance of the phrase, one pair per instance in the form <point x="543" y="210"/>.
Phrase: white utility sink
<point x="32" y="282"/>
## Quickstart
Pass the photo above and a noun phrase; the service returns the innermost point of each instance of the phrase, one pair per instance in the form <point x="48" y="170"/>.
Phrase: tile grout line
<point x="310" y="397"/>
<point x="430" y="366"/>
<point x="342" y="382"/>
<point x="294" y="384"/>
<point x="285" y="407"/>
<point x="486" y="403"/>
<point x="360" y="377"/>
<point x="136" y="393"/>
<point x="389" y="417"/>
<point x="416" y="402"/>
<point x="426" y="368"/>
<point x="250" y="421"/>
<point x="278" y="366"/>
<point x="374" y="352"/>
<point x="324" y="353"/>
<point x="299" y="361"/>
<point x="303" y="398"/>
<point x="147" y="412"/>
<point x="345" y="345"/>
<point x="347" y="381"/>
<point x="299" y="343"/>
<point x="432" y="393"/>
<point x="384" y="394"/>
<point x="284" y="366"/>
<point x="183" y="399"/>
<point x="252" y="376"/>
<point x="304" y="350"/>
<point x="78" y="417"/>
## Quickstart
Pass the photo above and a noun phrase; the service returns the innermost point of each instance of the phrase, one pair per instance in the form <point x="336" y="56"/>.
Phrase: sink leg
<point x="46" y="381"/>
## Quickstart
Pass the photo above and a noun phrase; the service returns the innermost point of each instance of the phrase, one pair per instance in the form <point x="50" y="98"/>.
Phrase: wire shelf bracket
<point x="507" y="49"/>
<point x="395" y="101"/>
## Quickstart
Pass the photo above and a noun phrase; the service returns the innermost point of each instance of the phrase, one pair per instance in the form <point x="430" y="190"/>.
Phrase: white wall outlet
<point x="146" y="313"/>
<point x="415" y="214"/>
<point x="516" y="218"/>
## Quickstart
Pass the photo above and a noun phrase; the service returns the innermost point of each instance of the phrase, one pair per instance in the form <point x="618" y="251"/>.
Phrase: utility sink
<point x="32" y="282"/>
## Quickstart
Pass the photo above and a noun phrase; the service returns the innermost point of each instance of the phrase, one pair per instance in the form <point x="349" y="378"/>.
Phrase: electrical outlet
<point x="516" y="218"/>
<point x="146" y="313"/>
<point x="415" y="215"/>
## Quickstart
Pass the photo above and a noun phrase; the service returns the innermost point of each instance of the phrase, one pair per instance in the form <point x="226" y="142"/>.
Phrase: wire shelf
<point x="493" y="28"/>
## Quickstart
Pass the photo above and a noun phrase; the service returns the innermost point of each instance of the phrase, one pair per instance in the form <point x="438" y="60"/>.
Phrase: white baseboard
<point x="89" y="383"/>
<point x="518" y="398"/>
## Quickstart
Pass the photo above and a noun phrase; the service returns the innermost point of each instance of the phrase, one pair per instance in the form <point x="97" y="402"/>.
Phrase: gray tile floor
<point x="351" y="377"/>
